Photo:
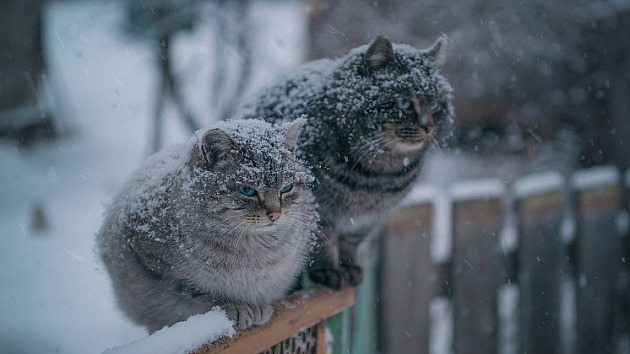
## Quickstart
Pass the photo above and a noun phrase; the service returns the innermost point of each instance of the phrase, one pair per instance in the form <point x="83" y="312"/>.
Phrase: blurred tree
<point x="23" y="116"/>
<point x="160" y="20"/>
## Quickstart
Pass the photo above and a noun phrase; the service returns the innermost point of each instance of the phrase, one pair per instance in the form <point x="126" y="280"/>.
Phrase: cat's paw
<point x="331" y="277"/>
<point x="262" y="313"/>
<point x="242" y="314"/>
<point x="352" y="274"/>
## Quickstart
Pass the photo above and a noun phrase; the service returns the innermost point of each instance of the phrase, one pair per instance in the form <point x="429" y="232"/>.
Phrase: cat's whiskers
<point x="381" y="151"/>
<point x="303" y="217"/>
<point x="241" y="235"/>
<point x="369" y="142"/>
<point x="306" y="225"/>
<point x="374" y="143"/>
<point x="229" y="224"/>
<point x="234" y="230"/>
<point x="309" y="215"/>
<point x="438" y="148"/>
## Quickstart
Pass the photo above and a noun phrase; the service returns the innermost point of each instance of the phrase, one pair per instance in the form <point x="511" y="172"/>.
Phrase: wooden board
<point x="293" y="314"/>
<point x="598" y="268"/>
<point x="409" y="281"/>
<point x="542" y="263"/>
<point x="478" y="271"/>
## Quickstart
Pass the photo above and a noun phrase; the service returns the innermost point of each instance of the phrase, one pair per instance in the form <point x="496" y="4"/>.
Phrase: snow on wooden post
<point x="541" y="203"/>
<point x="598" y="257"/>
<point x="408" y="275"/>
<point x="478" y="264"/>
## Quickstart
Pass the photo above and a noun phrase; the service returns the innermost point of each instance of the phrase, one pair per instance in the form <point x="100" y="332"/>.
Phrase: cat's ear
<point x="437" y="51"/>
<point x="292" y="132"/>
<point x="215" y="145"/>
<point x="379" y="55"/>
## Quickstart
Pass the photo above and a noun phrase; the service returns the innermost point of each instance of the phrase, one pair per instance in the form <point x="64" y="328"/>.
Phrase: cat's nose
<point x="274" y="215"/>
<point x="426" y="122"/>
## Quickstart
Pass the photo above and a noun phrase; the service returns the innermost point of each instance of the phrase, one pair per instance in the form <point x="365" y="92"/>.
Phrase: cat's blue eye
<point x="404" y="103"/>
<point x="248" y="191"/>
<point x="287" y="188"/>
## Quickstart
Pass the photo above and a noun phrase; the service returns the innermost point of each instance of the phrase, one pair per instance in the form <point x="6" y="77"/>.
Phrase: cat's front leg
<point x="246" y="315"/>
<point x="324" y="268"/>
<point x="351" y="271"/>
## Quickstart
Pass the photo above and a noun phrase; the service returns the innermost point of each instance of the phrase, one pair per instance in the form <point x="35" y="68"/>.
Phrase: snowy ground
<point x="54" y="298"/>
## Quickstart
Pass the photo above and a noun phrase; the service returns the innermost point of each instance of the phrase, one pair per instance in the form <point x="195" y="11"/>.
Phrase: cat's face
<point x="252" y="178"/>
<point x="398" y="100"/>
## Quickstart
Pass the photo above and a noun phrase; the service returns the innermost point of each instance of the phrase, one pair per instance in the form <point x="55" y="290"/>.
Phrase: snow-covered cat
<point x="371" y="116"/>
<point x="222" y="220"/>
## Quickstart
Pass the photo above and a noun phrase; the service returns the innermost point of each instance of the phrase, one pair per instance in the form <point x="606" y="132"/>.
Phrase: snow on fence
<point x="536" y="267"/>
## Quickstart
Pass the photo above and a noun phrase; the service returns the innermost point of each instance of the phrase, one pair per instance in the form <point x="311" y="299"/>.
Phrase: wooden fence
<point x="536" y="267"/>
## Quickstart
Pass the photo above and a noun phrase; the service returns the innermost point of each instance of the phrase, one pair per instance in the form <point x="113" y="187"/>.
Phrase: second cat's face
<point x="252" y="179"/>
<point x="393" y="96"/>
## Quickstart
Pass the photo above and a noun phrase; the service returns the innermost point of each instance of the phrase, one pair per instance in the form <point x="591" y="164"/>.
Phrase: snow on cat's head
<point x="246" y="173"/>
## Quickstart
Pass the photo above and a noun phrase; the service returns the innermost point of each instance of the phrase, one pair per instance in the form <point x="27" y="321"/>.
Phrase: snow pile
<point x="182" y="337"/>
<point x="538" y="184"/>
<point x="595" y="177"/>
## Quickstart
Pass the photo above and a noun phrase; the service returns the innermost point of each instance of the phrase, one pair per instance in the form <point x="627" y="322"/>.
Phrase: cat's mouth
<point x="410" y="133"/>
<point x="413" y="136"/>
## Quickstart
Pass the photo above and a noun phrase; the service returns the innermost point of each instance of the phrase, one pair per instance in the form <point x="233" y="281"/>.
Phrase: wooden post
<point x="365" y="322"/>
<point x="409" y="279"/>
<point x="624" y="224"/>
<point x="478" y="264"/>
<point x="541" y="208"/>
<point x="598" y="262"/>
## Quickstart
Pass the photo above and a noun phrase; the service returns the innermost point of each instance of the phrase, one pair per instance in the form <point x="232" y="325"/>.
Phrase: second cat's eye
<point x="403" y="103"/>
<point x="287" y="188"/>
<point x="248" y="191"/>
<point x="435" y="106"/>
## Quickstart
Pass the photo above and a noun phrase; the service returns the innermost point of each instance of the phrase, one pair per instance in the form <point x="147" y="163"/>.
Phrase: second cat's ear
<point x="292" y="133"/>
<point x="216" y="144"/>
<point x="379" y="55"/>
<point x="437" y="51"/>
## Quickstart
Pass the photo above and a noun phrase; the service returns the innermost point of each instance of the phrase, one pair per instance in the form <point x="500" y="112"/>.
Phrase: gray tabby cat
<point x="371" y="116"/>
<point x="225" y="220"/>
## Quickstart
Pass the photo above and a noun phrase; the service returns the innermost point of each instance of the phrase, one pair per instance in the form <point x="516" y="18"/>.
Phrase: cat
<point x="372" y="114"/>
<point x="225" y="219"/>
